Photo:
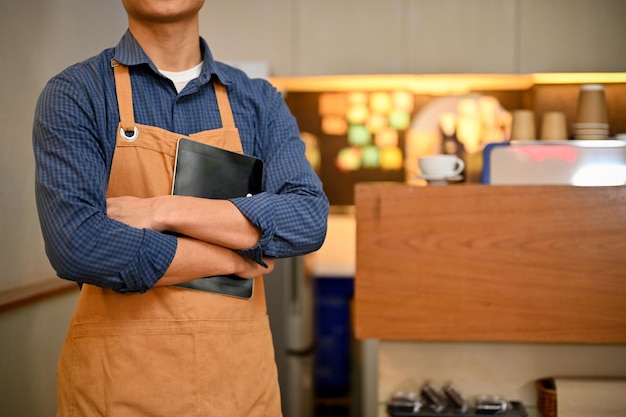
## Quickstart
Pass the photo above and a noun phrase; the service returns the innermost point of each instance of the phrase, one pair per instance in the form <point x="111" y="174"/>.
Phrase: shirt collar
<point x="128" y="52"/>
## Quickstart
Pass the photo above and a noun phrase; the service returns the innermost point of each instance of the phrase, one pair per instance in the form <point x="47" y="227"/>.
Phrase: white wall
<point x="38" y="38"/>
<point x="32" y="337"/>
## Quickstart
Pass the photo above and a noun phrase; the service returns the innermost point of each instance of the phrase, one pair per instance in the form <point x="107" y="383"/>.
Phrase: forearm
<point x="197" y="259"/>
<point x="215" y="221"/>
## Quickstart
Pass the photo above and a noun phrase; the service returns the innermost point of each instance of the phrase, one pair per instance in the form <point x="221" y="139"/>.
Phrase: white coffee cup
<point x="440" y="166"/>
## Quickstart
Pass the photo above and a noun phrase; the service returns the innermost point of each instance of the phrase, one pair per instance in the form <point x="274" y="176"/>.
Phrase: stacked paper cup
<point x="554" y="126"/>
<point x="591" y="117"/>
<point x="523" y="125"/>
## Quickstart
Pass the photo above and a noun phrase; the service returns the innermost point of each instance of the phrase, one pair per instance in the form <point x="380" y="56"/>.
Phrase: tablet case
<point x="207" y="171"/>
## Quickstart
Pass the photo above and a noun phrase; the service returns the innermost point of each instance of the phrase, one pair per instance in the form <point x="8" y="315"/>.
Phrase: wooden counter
<point x="491" y="263"/>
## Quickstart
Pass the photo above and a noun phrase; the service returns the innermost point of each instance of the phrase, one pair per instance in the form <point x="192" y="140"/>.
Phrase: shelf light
<point x="579" y="78"/>
<point x="439" y="84"/>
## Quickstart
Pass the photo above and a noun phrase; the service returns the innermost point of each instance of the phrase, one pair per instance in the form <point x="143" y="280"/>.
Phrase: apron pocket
<point x="173" y="368"/>
<point x="240" y="375"/>
<point x="141" y="369"/>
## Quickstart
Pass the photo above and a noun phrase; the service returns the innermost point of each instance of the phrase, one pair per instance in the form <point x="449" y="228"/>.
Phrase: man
<point x="105" y="136"/>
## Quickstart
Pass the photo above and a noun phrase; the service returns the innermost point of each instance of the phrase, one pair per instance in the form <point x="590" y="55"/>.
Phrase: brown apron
<point x="171" y="351"/>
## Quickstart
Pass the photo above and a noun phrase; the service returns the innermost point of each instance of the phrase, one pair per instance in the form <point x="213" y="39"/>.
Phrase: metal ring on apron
<point x="131" y="137"/>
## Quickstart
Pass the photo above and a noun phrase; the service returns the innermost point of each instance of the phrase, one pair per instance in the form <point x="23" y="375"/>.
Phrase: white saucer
<point x="439" y="178"/>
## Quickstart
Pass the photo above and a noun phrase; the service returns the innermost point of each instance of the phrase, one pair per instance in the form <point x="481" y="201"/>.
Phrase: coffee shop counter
<point x="473" y="263"/>
<point x="492" y="287"/>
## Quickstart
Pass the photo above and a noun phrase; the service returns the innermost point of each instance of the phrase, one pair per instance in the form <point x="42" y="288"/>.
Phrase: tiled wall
<point x="314" y="37"/>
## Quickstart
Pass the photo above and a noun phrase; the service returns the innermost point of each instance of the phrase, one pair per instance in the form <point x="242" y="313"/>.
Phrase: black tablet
<point x="207" y="171"/>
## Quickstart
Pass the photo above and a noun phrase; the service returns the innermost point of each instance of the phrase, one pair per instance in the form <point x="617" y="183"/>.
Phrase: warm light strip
<point x="580" y="78"/>
<point x="424" y="84"/>
<point x="439" y="84"/>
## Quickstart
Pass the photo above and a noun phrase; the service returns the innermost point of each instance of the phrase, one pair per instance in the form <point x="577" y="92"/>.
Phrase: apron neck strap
<point x="124" y="96"/>
<point x="125" y="99"/>
<point x="223" y="104"/>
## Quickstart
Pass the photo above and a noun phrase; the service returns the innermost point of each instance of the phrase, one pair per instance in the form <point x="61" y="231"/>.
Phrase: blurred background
<point x="414" y="59"/>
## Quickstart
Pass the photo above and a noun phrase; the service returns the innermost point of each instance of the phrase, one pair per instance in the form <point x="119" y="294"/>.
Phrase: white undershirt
<point x="182" y="78"/>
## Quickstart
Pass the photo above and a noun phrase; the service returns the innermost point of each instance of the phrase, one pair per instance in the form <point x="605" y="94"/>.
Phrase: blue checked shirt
<point x="74" y="134"/>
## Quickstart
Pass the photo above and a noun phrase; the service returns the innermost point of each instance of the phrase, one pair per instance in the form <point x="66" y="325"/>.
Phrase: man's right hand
<point x="252" y="269"/>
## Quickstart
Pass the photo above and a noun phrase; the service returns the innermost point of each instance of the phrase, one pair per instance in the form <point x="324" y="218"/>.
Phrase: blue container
<point x="333" y="335"/>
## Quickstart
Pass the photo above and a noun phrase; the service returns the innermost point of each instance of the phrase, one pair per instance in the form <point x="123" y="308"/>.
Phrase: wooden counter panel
<point x="491" y="263"/>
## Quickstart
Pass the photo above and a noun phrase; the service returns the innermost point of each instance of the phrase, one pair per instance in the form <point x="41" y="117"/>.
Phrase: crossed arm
<point x="212" y="232"/>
